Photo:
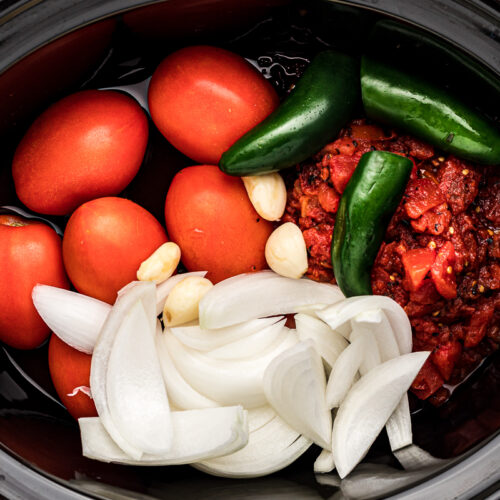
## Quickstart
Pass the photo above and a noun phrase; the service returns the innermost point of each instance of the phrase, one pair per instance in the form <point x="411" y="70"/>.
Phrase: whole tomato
<point x="70" y="373"/>
<point x="30" y="253"/>
<point x="202" y="99"/>
<point x="210" y="217"/>
<point x="87" y="145"/>
<point x="105" y="242"/>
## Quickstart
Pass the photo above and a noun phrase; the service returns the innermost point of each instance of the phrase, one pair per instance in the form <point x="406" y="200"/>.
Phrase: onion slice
<point x="344" y="372"/>
<point x="227" y="382"/>
<point x="270" y="448"/>
<point x="135" y="391"/>
<point x="198" y="435"/>
<point x="145" y="292"/>
<point x="368" y="406"/>
<point x="294" y="384"/>
<point x="376" y="327"/>
<point x="208" y="340"/>
<point x="251" y="345"/>
<point x="164" y="288"/>
<point x="180" y="393"/>
<point x="259" y="294"/>
<point x="344" y="311"/>
<point x="75" y="318"/>
<point x="327" y="342"/>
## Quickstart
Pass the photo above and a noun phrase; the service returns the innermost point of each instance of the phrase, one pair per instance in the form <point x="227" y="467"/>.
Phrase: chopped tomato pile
<point x="441" y="256"/>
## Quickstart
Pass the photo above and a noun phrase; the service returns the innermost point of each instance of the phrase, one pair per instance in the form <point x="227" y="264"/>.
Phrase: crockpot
<point x="49" y="48"/>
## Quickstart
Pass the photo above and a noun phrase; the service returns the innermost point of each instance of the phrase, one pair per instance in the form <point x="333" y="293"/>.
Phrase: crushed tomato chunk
<point x="440" y="259"/>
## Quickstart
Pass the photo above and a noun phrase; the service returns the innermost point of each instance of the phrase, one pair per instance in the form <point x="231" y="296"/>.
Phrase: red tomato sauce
<point x="440" y="259"/>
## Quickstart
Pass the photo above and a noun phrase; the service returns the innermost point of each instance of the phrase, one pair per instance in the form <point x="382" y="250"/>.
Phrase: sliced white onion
<point x="198" y="435"/>
<point x="135" y="391"/>
<point x="327" y="342"/>
<point x="180" y="393"/>
<point x="368" y="406"/>
<point x="344" y="372"/>
<point x="270" y="448"/>
<point x="145" y="292"/>
<point x="324" y="463"/>
<point x="258" y="417"/>
<point x="207" y="340"/>
<point x="163" y="289"/>
<point x="346" y="310"/>
<point x="259" y="294"/>
<point x="374" y="324"/>
<point x="251" y="345"/>
<point x="227" y="382"/>
<point x="294" y="384"/>
<point x="75" y="318"/>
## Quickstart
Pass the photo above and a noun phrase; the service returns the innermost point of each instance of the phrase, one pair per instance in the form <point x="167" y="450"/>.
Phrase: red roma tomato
<point x="105" y="242"/>
<point x="210" y="217"/>
<point x="70" y="372"/>
<point x="89" y="144"/>
<point x="30" y="253"/>
<point x="202" y="99"/>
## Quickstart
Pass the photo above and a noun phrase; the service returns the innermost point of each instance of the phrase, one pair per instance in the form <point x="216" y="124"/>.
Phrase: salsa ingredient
<point x="381" y="389"/>
<point x="256" y="295"/>
<point x="367" y="204"/>
<point x="430" y="113"/>
<point x="344" y="311"/>
<point x="268" y="194"/>
<point x="227" y="381"/>
<point x="70" y="374"/>
<point x="30" y="253"/>
<point x="286" y="252"/>
<point x="270" y="448"/>
<point x="164" y="288"/>
<point x="161" y="264"/>
<point x="135" y="392"/>
<point x="329" y="343"/>
<point x="294" y="384"/>
<point x="324" y="463"/>
<point x="75" y="318"/>
<point x="208" y="214"/>
<point x="85" y="146"/>
<point x="202" y="99"/>
<point x="320" y="104"/>
<point x="104" y="243"/>
<point x="145" y="292"/>
<point x="197" y="435"/>
<point x="182" y="302"/>
<point x="210" y="340"/>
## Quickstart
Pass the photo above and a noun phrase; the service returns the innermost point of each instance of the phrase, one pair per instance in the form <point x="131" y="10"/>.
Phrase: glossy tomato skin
<point x="85" y="146"/>
<point x="70" y="373"/>
<point x="202" y="99"/>
<point x="105" y="242"/>
<point x="210" y="217"/>
<point x="30" y="253"/>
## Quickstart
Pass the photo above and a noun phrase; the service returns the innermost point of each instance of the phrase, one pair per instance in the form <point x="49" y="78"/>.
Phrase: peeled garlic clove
<point x="182" y="302"/>
<point x="161" y="264"/>
<point x="267" y="194"/>
<point x="286" y="252"/>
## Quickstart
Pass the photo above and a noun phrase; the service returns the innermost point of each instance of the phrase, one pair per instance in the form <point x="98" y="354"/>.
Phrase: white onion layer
<point x="259" y="294"/>
<point x="380" y="390"/>
<point x="343" y="312"/>
<point x="145" y="292"/>
<point x="198" y="435"/>
<point x="75" y="318"/>
<point x="227" y="382"/>
<point x="207" y="340"/>
<point x="294" y="384"/>
<point x="135" y="391"/>
<point x="269" y="449"/>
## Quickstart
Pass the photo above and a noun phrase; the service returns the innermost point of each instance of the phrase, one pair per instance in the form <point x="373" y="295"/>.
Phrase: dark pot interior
<point x="35" y="429"/>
